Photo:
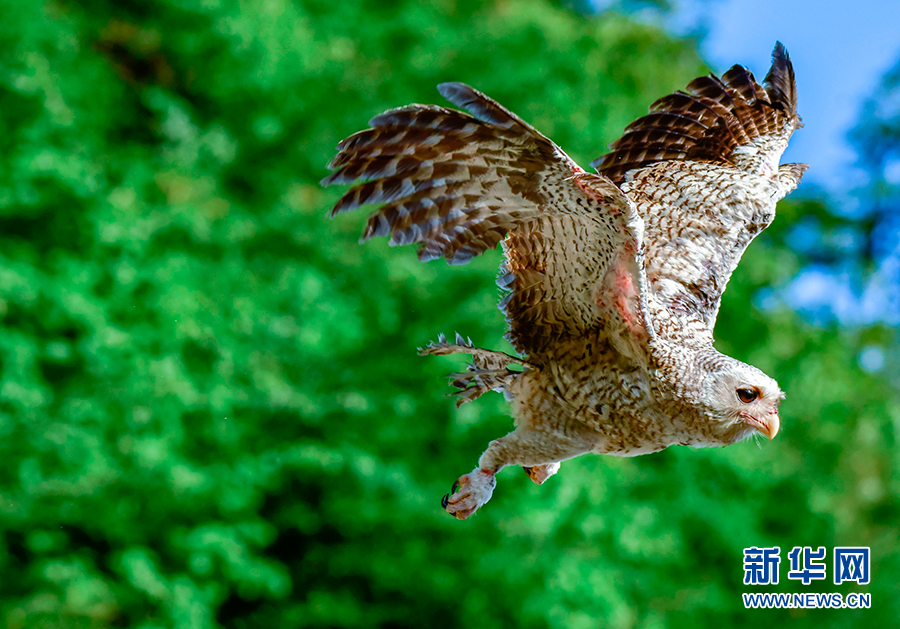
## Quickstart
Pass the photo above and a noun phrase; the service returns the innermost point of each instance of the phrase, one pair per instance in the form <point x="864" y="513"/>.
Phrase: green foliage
<point x="211" y="409"/>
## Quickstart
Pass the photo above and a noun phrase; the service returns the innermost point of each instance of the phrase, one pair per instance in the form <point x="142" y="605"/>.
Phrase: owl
<point x="612" y="279"/>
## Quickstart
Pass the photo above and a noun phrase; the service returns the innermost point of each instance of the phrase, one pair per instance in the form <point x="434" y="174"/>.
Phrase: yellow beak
<point x="770" y="427"/>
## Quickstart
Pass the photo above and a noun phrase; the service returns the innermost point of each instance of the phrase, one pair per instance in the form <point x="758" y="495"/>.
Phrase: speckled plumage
<point x="613" y="279"/>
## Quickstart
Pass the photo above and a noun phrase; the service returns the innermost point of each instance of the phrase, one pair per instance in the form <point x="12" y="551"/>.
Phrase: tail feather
<point x="489" y="370"/>
<point x="476" y="382"/>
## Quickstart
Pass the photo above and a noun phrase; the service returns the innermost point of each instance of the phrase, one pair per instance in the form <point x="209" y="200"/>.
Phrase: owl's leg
<point x="524" y="446"/>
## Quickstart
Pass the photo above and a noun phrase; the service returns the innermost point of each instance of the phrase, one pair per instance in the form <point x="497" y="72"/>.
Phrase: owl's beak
<point x="768" y="426"/>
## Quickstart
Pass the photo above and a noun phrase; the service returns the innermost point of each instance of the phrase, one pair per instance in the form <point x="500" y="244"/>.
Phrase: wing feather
<point x="457" y="184"/>
<point x="706" y="190"/>
<point x="712" y="120"/>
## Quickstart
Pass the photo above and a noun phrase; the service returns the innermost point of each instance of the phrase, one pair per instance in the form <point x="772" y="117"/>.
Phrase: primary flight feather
<point x="613" y="279"/>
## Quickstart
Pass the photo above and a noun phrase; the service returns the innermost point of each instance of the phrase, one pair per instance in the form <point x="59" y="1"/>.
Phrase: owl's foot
<point x="540" y="473"/>
<point x="469" y="492"/>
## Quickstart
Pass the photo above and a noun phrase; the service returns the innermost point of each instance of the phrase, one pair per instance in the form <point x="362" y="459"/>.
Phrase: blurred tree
<point x="211" y="407"/>
<point x="877" y="140"/>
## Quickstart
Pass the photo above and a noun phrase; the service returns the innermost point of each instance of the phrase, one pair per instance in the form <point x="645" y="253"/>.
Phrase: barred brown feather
<point x="708" y="121"/>
<point x="469" y="180"/>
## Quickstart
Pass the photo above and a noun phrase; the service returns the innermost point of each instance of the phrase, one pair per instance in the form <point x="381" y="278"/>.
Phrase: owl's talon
<point x="455" y="487"/>
<point x="444" y="500"/>
<point x="540" y="473"/>
<point x="470" y="491"/>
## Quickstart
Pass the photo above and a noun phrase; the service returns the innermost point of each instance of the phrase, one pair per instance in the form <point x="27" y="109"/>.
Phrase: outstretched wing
<point x="457" y="184"/>
<point x="703" y="169"/>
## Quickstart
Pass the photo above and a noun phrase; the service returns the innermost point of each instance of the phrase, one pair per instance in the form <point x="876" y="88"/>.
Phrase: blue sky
<point x="840" y="50"/>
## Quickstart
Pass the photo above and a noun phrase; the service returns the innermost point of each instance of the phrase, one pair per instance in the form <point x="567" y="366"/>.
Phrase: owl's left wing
<point x="703" y="170"/>
<point x="458" y="183"/>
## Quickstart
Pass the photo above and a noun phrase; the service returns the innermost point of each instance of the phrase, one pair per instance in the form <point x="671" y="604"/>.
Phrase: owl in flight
<point x="613" y="280"/>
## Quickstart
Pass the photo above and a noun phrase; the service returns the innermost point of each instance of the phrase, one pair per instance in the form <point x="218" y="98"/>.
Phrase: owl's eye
<point x="747" y="395"/>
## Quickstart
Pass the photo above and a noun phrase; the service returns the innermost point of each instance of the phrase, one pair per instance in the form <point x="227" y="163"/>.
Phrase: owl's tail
<point x="489" y="370"/>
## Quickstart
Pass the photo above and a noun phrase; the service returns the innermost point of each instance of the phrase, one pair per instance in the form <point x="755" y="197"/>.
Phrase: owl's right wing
<point x="457" y="184"/>
<point x="704" y="169"/>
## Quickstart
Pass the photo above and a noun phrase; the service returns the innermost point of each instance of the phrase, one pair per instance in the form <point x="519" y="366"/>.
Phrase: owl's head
<point x="741" y="400"/>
